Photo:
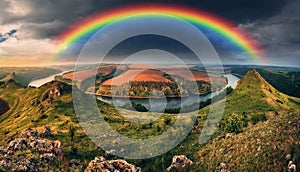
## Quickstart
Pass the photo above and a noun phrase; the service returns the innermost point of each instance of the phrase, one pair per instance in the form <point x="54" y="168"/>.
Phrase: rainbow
<point x="97" y="21"/>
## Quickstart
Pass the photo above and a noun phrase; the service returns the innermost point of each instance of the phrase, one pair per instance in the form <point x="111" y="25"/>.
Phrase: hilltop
<point x="255" y="95"/>
<point x="284" y="79"/>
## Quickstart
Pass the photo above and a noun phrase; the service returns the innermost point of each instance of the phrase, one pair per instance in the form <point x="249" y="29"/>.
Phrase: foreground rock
<point x="101" y="164"/>
<point x="180" y="162"/>
<point x="30" y="152"/>
<point x="291" y="167"/>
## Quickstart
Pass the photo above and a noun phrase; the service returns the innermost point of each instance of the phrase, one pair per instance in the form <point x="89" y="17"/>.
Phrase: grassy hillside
<point x="254" y="99"/>
<point x="270" y="129"/>
<point x="263" y="147"/>
<point x="284" y="80"/>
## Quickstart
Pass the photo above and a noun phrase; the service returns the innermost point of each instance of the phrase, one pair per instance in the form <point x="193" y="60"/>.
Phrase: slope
<point x="266" y="146"/>
<point x="255" y="95"/>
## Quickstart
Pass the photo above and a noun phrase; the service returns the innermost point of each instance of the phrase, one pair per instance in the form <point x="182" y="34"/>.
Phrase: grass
<point x="262" y="147"/>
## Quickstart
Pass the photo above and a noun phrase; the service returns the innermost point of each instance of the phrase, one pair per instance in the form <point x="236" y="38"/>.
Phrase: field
<point x="137" y="75"/>
<point x="193" y="75"/>
<point x="85" y="74"/>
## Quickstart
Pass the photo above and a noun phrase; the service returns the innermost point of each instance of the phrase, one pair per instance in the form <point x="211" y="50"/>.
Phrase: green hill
<point x="270" y="129"/>
<point x="283" y="79"/>
<point x="255" y="95"/>
<point x="11" y="81"/>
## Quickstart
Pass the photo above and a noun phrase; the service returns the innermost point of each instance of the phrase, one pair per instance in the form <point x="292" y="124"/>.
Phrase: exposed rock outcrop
<point x="180" y="162"/>
<point x="291" y="167"/>
<point x="101" y="164"/>
<point x="55" y="89"/>
<point x="40" y="153"/>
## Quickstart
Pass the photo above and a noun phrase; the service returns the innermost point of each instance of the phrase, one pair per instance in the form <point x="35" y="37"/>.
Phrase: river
<point x="152" y="104"/>
<point x="42" y="81"/>
<point x="159" y="104"/>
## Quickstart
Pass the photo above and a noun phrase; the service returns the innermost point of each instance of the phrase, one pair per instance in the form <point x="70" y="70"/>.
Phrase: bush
<point x="234" y="123"/>
<point x="139" y="107"/>
<point x="168" y="120"/>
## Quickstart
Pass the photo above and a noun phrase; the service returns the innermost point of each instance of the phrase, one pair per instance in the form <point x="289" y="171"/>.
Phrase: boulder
<point x="101" y="164"/>
<point x="179" y="162"/>
<point x="291" y="167"/>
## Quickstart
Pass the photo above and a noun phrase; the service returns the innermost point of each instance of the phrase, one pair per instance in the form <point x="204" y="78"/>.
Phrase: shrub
<point x="168" y="120"/>
<point x="234" y="123"/>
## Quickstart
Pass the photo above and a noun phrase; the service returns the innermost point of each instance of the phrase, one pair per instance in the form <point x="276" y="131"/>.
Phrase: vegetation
<point x="234" y="123"/>
<point x="287" y="82"/>
<point x="283" y="80"/>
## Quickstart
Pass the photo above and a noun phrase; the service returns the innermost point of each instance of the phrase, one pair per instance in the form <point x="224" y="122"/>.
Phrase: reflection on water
<point x="159" y="104"/>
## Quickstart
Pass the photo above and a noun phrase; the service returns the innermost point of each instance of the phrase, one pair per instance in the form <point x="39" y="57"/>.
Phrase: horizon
<point x="111" y="63"/>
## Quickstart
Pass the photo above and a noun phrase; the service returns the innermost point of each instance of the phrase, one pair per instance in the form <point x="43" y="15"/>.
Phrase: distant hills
<point x="22" y="76"/>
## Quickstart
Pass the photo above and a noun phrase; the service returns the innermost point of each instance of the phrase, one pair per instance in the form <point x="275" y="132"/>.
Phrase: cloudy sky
<point x="28" y="28"/>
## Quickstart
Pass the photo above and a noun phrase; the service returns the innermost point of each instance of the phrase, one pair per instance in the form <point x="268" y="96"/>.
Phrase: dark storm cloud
<point x="133" y="45"/>
<point x="48" y="18"/>
<point x="235" y="10"/>
<point x="280" y="34"/>
<point x="44" y="18"/>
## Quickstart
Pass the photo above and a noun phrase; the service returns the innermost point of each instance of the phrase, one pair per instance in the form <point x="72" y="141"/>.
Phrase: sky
<point x="29" y="28"/>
